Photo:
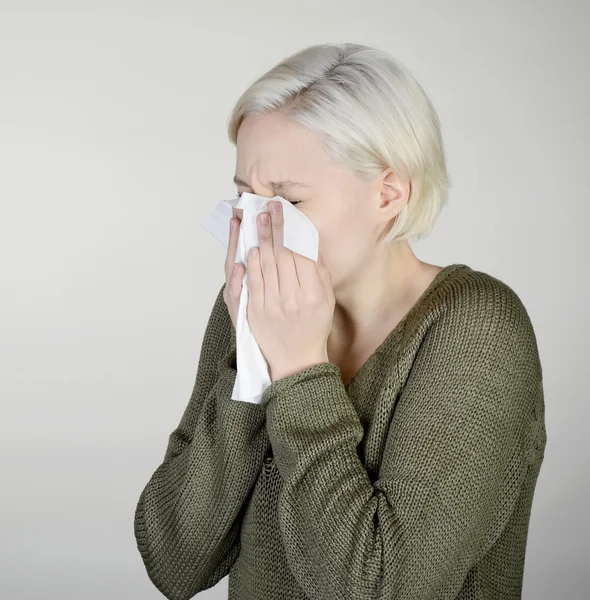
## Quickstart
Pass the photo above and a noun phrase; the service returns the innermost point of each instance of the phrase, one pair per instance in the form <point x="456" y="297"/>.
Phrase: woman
<point x="395" y="453"/>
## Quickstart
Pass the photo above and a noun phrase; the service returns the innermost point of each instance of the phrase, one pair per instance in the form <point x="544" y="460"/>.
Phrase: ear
<point x="395" y="191"/>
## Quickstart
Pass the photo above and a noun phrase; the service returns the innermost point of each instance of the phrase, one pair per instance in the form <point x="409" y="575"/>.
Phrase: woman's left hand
<point x="290" y="301"/>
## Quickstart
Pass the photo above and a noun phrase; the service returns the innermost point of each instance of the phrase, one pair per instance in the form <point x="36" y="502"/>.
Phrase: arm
<point x="187" y="520"/>
<point x="454" y="462"/>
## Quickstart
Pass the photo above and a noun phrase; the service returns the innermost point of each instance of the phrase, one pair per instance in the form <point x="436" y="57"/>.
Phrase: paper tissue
<point x="299" y="235"/>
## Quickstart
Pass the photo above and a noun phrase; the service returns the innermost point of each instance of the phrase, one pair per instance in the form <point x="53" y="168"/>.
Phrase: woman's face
<point x="350" y="213"/>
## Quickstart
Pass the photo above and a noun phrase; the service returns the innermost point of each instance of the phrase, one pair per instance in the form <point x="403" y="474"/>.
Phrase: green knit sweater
<point x="414" y="481"/>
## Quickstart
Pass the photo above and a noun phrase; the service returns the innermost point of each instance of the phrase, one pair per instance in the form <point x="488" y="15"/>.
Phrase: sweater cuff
<point x="312" y="398"/>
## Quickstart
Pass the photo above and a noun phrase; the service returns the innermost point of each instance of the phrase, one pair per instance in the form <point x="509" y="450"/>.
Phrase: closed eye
<point x="293" y="202"/>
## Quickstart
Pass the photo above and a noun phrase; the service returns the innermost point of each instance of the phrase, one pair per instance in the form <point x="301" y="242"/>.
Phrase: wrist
<point x="282" y="372"/>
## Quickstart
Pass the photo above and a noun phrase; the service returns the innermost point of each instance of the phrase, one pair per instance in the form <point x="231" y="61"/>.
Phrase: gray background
<point x="113" y="149"/>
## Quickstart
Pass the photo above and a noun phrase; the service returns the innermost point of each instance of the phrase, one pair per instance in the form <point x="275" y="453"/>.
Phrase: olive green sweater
<point x="414" y="481"/>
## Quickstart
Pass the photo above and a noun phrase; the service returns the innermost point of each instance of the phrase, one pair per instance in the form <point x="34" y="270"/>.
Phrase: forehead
<point x="277" y="185"/>
<point x="273" y="148"/>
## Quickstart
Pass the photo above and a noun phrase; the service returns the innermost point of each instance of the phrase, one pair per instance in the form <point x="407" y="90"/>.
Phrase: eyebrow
<point x="275" y="185"/>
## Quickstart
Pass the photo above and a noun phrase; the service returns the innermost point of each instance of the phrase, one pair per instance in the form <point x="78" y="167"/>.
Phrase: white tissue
<point x="299" y="235"/>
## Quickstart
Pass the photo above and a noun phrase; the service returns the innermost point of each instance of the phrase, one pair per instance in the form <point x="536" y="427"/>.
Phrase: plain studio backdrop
<point x="113" y="149"/>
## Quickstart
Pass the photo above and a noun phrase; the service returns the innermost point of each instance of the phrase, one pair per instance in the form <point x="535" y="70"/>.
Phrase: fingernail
<point x="264" y="218"/>
<point x="274" y="207"/>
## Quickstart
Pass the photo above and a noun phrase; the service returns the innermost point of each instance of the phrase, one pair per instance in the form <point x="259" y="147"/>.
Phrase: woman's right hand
<point x="233" y="279"/>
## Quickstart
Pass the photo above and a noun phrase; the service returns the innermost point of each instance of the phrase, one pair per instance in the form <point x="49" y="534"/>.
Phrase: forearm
<point x="187" y="519"/>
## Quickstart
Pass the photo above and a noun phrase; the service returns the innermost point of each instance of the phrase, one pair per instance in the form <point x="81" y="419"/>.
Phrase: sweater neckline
<point x="395" y="332"/>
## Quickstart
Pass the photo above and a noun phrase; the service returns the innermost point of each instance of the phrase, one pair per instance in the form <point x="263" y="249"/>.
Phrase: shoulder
<point x="479" y="311"/>
<point x="475" y="363"/>
<point x="476" y="298"/>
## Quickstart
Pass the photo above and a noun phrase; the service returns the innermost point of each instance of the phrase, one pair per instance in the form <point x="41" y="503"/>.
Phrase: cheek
<point x="341" y="246"/>
<point x="344" y="235"/>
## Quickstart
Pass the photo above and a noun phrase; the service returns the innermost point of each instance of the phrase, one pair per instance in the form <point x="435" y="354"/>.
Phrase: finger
<point x="277" y="221"/>
<point x="314" y="276"/>
<point x="236" y="281"/>
<point x="255" y="281"/>
<point x="289" y="285"/>
<point x="286" y="270"/>
<point x="268" y="264"/>
<point x="237" y="213"/>
<point x="324" y="275"/>
<point x="308" y="273"/>
<point x="232" y="247"/>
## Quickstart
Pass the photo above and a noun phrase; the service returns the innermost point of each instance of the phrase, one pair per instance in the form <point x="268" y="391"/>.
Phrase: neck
<point x="377" y="291"/>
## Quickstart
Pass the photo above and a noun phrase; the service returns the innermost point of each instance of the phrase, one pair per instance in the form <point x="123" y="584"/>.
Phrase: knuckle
<point x="312" y="299"/>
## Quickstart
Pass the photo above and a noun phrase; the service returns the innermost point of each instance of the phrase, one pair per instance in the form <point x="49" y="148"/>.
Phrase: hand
<point x="233" y="279"/>
<point x="290" y="301"/>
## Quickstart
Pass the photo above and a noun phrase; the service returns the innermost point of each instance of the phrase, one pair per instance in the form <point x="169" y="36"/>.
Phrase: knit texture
<point x="413" y="482"/>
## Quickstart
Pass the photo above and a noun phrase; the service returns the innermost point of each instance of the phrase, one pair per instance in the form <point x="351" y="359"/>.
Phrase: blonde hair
<point x="372" y="114"/>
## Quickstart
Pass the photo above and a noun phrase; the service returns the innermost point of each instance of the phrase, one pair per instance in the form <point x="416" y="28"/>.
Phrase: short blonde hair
<point x="372" y="114"/>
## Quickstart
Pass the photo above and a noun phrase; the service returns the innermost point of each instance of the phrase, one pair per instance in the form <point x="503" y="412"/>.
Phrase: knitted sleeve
<point x="454" y="463"/>
<point x="187" y="520"/>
